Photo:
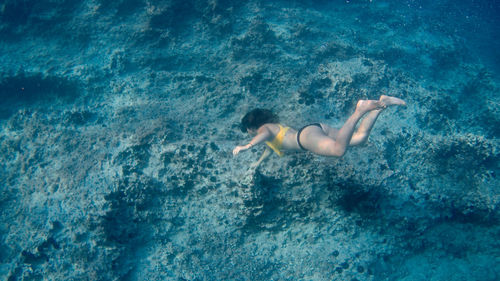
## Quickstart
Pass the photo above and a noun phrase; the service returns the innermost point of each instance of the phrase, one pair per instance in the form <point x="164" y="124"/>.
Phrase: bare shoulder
<point x="265" y="127"/>
<point x="269" y="127"/>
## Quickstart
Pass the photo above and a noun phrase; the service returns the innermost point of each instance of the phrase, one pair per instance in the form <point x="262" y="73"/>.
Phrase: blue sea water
<point x="118" y="119"/>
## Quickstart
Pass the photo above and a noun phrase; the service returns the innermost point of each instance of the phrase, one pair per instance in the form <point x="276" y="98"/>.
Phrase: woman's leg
<point x="314" y="139"/>
<point x="366" y="125"/>
<point x="360" y="136"/>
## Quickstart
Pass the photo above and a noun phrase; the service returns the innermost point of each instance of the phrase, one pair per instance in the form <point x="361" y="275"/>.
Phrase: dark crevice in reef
<point x="262" y="204"/>
<point x="79" y="118"/>
<point x="315" y="91"/>
<point x="176" y="17"/>
<point x="34" y="261"/>
<point x="475" y="216"/>
<point x="16" y="12"/>
<point x="135" y="207"/>
<point x="129" y="222"/>
<point x="356" y="198"/>
<point x="267" y="209"/>
<point x="123" y="8"/>
<point x="25" y="90"/>
<point x="134" y="159"/>
<point x="22" y="17"/>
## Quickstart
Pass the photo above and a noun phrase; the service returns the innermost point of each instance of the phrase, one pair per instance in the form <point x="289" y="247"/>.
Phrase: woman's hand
<point x="239" y="148"/>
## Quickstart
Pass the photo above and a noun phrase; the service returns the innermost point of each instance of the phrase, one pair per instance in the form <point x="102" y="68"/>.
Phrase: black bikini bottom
<point x="300" y="131"/>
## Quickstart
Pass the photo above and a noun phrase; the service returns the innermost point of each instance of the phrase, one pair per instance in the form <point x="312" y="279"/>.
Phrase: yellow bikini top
<point x="277" y="142"/>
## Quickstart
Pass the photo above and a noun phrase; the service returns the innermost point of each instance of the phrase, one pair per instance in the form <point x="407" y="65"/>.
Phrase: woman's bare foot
<point x="364" y="106"/>
<point x="388" y="100"/>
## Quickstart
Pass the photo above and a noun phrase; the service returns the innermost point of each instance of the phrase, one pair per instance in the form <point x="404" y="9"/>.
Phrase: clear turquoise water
<point x="117" y="122"/>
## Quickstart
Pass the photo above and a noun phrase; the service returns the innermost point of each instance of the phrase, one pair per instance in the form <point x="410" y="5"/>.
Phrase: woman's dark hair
<point x="256" y="118"/>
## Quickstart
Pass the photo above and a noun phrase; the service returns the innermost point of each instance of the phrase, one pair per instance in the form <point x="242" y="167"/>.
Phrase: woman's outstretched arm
<point x="266" y="154"/>
<point x="263" y="134"/>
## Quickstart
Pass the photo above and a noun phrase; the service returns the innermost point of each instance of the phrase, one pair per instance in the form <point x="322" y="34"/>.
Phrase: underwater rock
<point x="28" y="89"/>
<point x="118" y="118"/>
<point x="259" y="42"/>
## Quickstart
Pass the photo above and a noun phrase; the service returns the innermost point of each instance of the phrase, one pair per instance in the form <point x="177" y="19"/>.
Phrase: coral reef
<point x="118" y="118"/>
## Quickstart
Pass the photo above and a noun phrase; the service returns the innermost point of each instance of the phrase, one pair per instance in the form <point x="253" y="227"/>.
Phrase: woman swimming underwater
<point x="318" y="138"/>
